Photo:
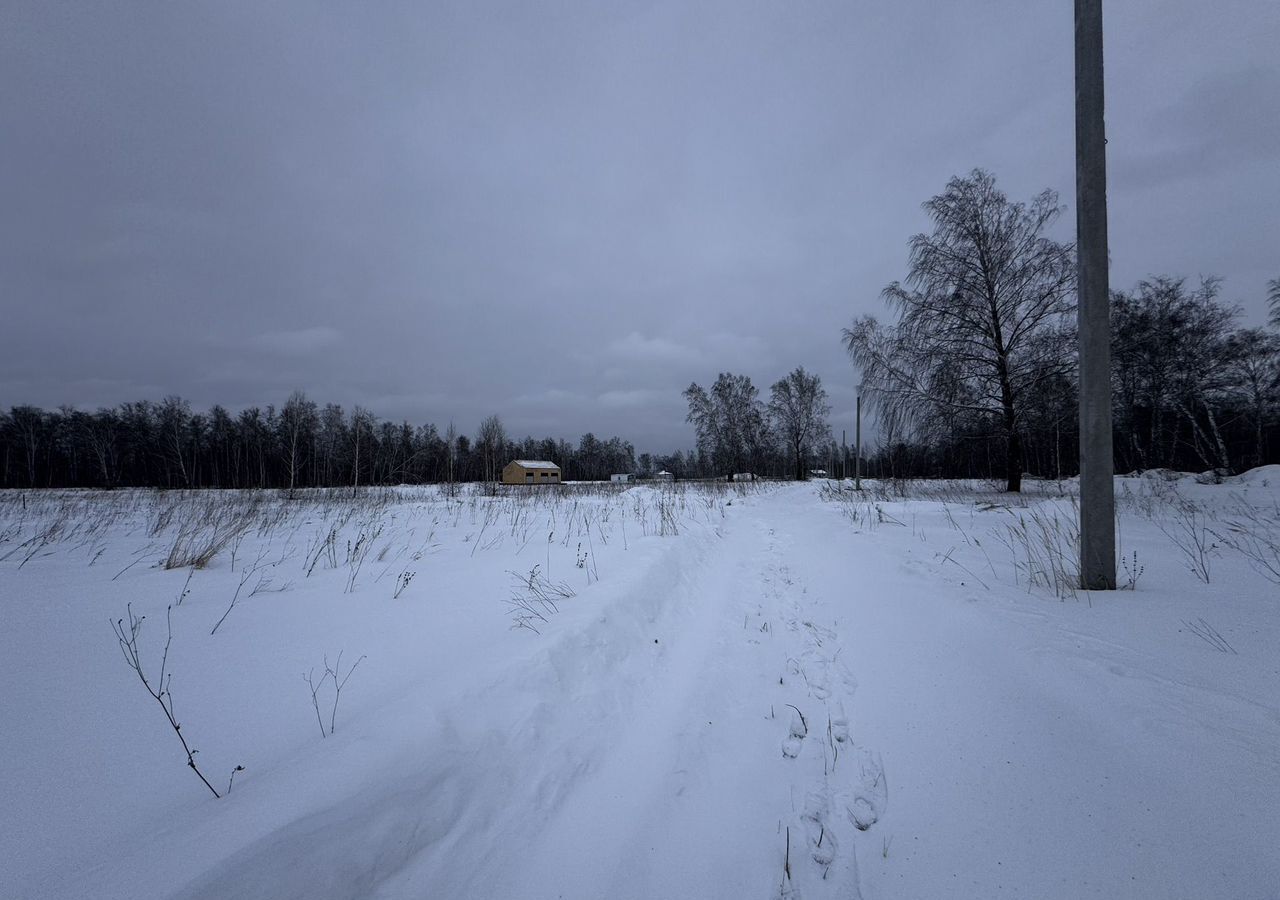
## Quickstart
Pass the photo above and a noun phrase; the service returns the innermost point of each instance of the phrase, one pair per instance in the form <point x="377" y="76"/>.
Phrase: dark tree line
<point x="978" y="376"/>
<point x="301" y="444"/>
<point x="1191" y="389"/>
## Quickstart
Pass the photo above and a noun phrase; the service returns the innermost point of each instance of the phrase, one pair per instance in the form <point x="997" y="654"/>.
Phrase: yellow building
<point x="530" y="471"/>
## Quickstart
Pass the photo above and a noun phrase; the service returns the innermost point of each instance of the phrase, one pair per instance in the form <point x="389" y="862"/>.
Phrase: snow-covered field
<point x="691" y="691"/>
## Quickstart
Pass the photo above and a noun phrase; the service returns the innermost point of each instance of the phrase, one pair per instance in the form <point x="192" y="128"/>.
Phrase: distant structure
<point x="818" y="473"/>
<point x="530" y="471"/>
<point x="664" y="475"/>
<point x="621" y="479"/>
<point x="744" y="476"/>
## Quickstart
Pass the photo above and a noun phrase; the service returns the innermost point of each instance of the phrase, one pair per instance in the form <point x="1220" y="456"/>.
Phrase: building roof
<point x="535" y="464"/>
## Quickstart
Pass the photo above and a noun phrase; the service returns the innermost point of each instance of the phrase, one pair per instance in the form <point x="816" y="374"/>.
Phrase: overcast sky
<point x="563" y="213"/>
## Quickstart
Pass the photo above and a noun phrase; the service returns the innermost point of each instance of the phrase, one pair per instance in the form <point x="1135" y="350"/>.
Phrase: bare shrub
<point x="1190" y="532"/>
<point x="534" y="597"/>
<point x="127" y="635"/>
<point x="1255" y="535"/>
<point x="332" y="674"/>
<point x="259" y="569"/>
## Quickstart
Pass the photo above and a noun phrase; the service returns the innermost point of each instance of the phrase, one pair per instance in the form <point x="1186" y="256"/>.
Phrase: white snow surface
<point x="753" y="691"/>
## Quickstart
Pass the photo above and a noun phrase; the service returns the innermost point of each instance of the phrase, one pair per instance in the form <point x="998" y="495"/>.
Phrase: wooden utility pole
<point x="1097" y="483"/>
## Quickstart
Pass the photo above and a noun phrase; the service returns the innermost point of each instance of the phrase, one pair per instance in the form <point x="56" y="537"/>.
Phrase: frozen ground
<point x="794" y="691"/>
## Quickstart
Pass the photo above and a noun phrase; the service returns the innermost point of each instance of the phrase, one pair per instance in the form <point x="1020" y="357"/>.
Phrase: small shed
<point x="664" y="475"/>
<point x="530" y="471"/>
<point x="620" y="479"/>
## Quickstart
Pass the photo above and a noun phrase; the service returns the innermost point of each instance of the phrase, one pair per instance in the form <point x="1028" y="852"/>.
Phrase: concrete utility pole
<point x="1097" y="465"/>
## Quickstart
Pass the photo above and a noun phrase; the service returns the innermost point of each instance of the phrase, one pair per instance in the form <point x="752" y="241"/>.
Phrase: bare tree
<point x="491" y="439"/>
<point x="298" y="421"/>
<point x="361" y="434"/>
<point x="729" y="421"/>
<point x="100" y="433"/>
<point x="799" y="408"/>
<point x="983" y="319"/>
<point x="451" y="454"/>
<point x="332" y="440"/>
<point x="1171" y="367"/>
<point x="29" y="423"/>
<point x="174" y="417"/>
<point x="1273" y="301"/>
<point x="1253" y="361"/>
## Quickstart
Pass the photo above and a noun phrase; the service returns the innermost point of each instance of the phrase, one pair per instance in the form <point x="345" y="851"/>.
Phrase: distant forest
<point x="301" y="444"/>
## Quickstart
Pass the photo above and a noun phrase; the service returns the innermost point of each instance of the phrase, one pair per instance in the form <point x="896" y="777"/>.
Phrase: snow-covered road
<point x="737" y="748"/>
<point x="776" y="703"/>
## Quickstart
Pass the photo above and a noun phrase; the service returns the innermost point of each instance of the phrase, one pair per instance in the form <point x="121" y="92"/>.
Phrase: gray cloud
<point x="299" y="342"/>
<point x="1223" y="123"/>
<point x="563" y="212"/>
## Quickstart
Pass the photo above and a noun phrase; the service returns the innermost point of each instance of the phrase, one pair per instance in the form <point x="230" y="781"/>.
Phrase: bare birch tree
<point x="729" y="422"/>
<point x="983" y="318"/>
<point x="799" y="409"/>
<point x="361" y="437"/>
<point x="174" y="417"/>
<point x="28" y="422"/>
<point x="298" y="421"/>
<point x="491" y="439"/>
<point x="1253" y="356"/>
<point x="1171" y="368"/>
<point x="451" y="454"/>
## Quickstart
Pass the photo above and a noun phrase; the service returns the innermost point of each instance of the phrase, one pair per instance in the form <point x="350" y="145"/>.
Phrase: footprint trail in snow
<point x="838" y="788"/>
